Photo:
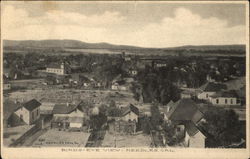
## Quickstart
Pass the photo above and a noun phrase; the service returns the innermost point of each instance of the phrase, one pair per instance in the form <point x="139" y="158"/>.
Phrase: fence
<point x="33" y="130"/>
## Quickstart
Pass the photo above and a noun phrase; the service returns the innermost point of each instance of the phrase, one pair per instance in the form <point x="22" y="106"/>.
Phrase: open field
<point x="55" y="138"/>
<point x="68" y="95"/>
<point x="139" y="140"/>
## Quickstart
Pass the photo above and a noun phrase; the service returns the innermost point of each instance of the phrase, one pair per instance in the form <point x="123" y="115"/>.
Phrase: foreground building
<point x="68" y="116"/>
<point x="126" y="123"/>
<point x="185" y="114"/>
<point x="28" y="112"/>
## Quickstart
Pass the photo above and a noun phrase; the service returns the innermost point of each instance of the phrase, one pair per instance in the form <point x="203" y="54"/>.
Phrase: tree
<point x="223" y="125"/>
<point x="170" y="133"/>
<point x="96" y="121"/>
<point x="156" y="118"/>
<point x="146" y="125"/>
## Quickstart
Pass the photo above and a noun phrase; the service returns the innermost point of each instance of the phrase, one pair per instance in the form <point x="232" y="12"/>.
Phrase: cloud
<point x="184" y="28"/>
<point x="187" y="28"/>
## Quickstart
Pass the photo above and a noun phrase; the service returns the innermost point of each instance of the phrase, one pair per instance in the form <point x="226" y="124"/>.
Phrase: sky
<point x="145" y="24"/>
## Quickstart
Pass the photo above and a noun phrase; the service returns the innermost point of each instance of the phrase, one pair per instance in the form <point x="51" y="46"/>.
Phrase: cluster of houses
<point x="67" y="116"/>
<point x="126" y="122"/>
<point x="186" y="115"/>
<point x="217" y="94"/>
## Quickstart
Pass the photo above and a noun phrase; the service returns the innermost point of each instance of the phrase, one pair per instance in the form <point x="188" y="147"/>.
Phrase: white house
<point x="161" y="64"/>
<point x="210" y="89"/>
<point x="120" y="86"/>
<point x="194" y="138"/>
<point x="130" y="113"/>
<point x="114" y="86"/>
<point x="186" y="94"/>
<point x="225" y="98"/>
<point x="133" y="72"/>
<point x="59" y="69"/>
<point x="29" y="112"/>
<point x="6" y="86"/>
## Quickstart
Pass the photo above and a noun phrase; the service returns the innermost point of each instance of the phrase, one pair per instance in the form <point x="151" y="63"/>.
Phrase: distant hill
<point x="63" y="44"/>
<point x="209" y="47"/>
<point x="75" y="45"/>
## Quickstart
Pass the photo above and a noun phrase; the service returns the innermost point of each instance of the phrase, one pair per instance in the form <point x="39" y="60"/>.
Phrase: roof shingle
<point x="31" y="105"/>
<point x="184" y="110"/>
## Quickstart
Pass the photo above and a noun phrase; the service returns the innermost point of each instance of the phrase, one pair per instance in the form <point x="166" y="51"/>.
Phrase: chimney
<point x="67" y="104"/>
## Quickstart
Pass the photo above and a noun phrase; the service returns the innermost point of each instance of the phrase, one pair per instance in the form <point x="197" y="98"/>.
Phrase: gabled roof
<point x="9" y="107"/>
<point x="170" y="104"/>
<point x="213" y="87"/>
<point x="31" y="105"/>
<point x="54" y="65"/>
<point x="64" y="108"/>
<point x="129" y="108"/>
<point x="231" y="93"/>
<point x="198" y="115"/>
<point x="184" y="110"/>
<point x="191" y="128"/>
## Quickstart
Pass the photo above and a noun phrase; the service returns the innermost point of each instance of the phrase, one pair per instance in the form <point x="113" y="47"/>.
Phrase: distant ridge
<point x="210" y="47"/>
<point x="63" y="44"/>
<point x="83" y="45"/>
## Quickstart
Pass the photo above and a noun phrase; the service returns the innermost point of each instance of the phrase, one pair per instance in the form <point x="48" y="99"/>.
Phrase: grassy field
<point x="55" y="138"/>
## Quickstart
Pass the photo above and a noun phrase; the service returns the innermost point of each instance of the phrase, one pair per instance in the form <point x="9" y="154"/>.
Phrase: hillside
<point x="209" y="47"/>
<point x="83" y="47"/>
<point x="63" y="44"/>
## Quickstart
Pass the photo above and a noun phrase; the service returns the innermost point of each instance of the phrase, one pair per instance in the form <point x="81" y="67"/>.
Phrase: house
<point x="130" y="113"/>
<point x="167" y="108"/>
<point x="185" y="113"/>
<point x="59" y="69"/>
<point x="184" y="110"/>
<point x="9" y="118"/>
<point x="133" y="72"/>
<point x="225" y="98"/>
<point x="120" y="85"/>
<point x="186" y="94"/>
<point x="209" y="89"/>
<point x="6" y="84"/>
<point x="158" y="65"/>
<point x="68" y="115"/>
<point x="6" y="72"/>
<point x="29" y="112"/>
<point x="122" y="127"/>
<point x="127" y="58"/>
<point x="194" y="137"/>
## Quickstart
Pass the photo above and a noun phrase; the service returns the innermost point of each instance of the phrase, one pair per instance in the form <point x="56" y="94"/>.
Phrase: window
<point x="21" y="116"/>
<point x="206" y="95"/>
<point x="217" y="101"/>
<point x="231" y="101"/>
<point x="178" y="129"/>
<point x="225" y="101"/>
<point x="37" y="112"/>
<point x="32" y="115"/>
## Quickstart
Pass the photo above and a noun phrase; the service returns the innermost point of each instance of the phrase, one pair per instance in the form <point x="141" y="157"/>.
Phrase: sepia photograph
<point x="124" y="76"/>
